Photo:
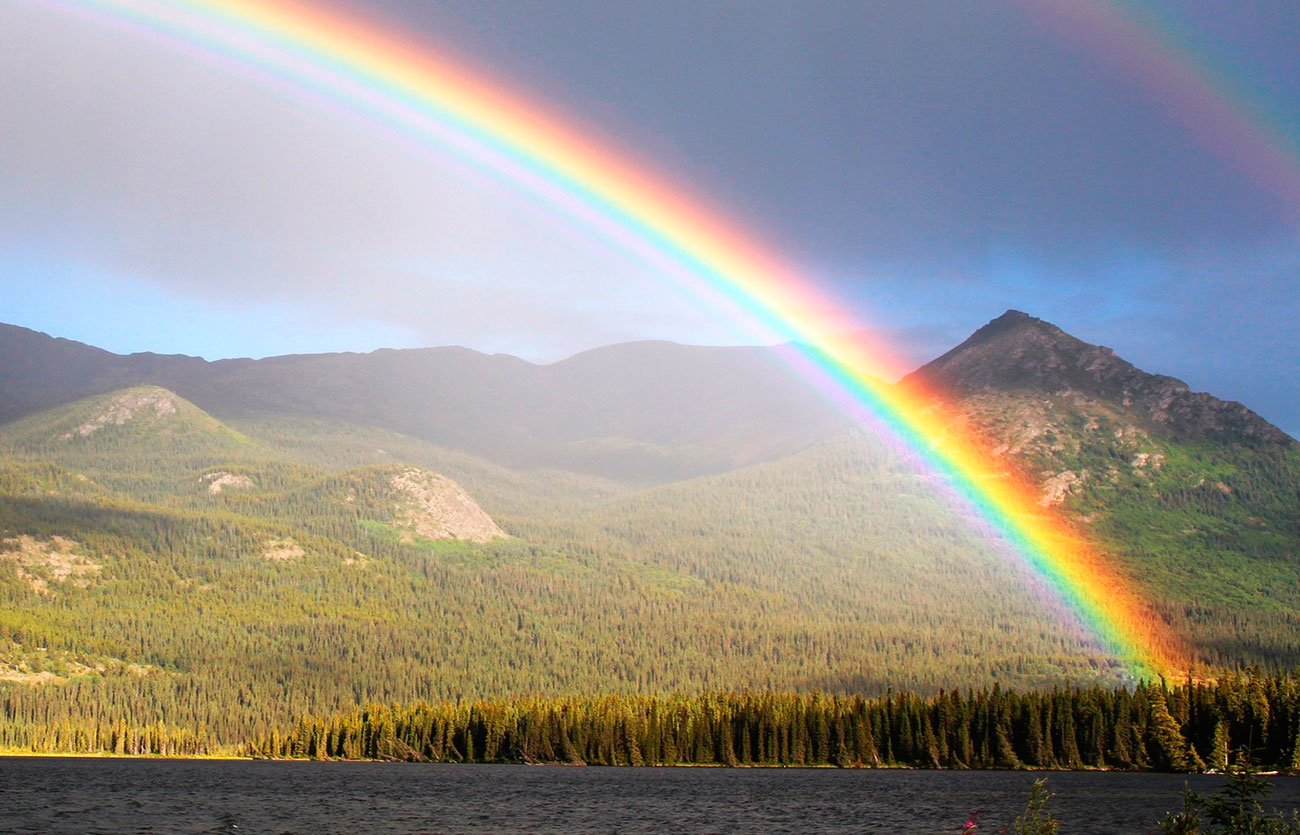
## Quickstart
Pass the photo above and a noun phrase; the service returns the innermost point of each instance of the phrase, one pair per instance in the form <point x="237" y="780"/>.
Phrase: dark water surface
<point x="108" y="795"/>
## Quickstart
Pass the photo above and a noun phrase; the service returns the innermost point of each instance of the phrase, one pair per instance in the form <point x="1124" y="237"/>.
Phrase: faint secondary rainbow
<point x="1224" y="113"/>
<point x="408" y="89"/>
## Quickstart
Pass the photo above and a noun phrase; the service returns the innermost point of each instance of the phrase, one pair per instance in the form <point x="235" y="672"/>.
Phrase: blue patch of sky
<point x="122" y="314"/>
<point x="1221" y="320"/>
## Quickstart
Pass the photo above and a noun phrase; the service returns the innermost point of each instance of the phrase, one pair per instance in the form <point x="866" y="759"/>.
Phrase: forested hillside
<point x="295" y="589"/>
<point x="1198" y="498"/>
<point x="208" y="578"/>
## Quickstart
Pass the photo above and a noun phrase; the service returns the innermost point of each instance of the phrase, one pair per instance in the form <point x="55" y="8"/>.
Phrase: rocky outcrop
<point x="282" y="550"/>
<point x="220" y="481"/>
<point x="48" y="564"/>
<point x="433" y="506"/>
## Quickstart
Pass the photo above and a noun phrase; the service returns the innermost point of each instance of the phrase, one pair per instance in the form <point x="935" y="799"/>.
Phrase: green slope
<point x="505" y="493"/>
<point x="145" y="442"/>
<point x="833" y="569"/>
<point x="1209" y="529"/>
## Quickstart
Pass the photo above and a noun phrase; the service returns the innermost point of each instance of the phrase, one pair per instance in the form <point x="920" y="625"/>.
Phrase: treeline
<point x="155" y="739"/>
<point x="1190" y="727"/>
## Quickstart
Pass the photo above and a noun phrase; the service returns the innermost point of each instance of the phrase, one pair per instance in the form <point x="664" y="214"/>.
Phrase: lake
<point x="87" y="795"/>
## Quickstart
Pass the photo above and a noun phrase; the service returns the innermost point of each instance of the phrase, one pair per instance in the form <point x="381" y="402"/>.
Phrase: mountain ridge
<point x="653" y="411"/>
<point x="718" y="391"/>
<point x="1017" y="351"/>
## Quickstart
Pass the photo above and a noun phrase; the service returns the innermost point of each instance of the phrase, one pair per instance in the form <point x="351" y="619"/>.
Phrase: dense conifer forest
<point x="1194" y="726"/>
<point x="832" y="571"/>
<point x="1188" y="727"/>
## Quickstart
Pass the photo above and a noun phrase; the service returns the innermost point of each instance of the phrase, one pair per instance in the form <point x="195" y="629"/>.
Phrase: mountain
<point x="41" y="371"/>
<point x="95" y="425"/>
<point x="1016" y="352"/>
<point x="410" y="503"/>
<point x="648" y="412"/>
<point x="223" y="546"/>
<point x="144" y="441"/>
<point x="1197" y="498"/>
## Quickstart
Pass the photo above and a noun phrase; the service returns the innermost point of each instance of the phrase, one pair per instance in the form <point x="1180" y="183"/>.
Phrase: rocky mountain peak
<point x="1017" y="352"/>
<point x="1011" y="319"/>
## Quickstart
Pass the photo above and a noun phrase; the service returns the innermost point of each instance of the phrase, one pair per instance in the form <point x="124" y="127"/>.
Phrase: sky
<point x="927" y="164"/>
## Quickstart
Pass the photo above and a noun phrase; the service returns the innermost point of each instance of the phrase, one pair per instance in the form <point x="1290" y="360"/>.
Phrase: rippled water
<point x="102" y="795"/>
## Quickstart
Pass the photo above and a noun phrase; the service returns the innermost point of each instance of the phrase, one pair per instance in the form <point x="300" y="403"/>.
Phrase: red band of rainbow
<point x="410" y="90"/>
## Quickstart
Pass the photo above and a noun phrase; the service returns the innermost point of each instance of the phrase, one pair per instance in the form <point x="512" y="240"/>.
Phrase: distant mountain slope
<point x="141" y="414"/>
<point x="40" y="371"/>
<point x="145" y="442"/>
<point x="335" y="446"/>
<point x="149" y="444"/>
<point x="406" y="503"/>
<point x="645" y="412"/>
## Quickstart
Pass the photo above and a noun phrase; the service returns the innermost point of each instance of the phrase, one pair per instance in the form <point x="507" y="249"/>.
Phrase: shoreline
<point x="104" y="755"/>
<point x="13" y="754"/>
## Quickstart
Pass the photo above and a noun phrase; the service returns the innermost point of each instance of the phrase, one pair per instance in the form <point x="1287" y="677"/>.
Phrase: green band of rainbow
<point x="438" y="103"/>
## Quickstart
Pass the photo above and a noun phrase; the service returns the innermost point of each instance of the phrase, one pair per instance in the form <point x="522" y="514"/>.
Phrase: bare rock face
<point x="219" y="481"/>
<point x="1056" y="488"/>
<point x="282" y="550"/>
<point x="47" y="565"/>
<point x="433" y="506"/>
<point x="1017" y="352"/>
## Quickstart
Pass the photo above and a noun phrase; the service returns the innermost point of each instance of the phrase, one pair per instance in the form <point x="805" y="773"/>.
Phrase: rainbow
<point x="1213" y="103"/>
<point x="441" y="104"/>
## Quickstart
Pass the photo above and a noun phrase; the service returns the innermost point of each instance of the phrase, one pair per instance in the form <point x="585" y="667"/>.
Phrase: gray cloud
<point x="147" y="163"/>
<point x="886" y="129"/>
